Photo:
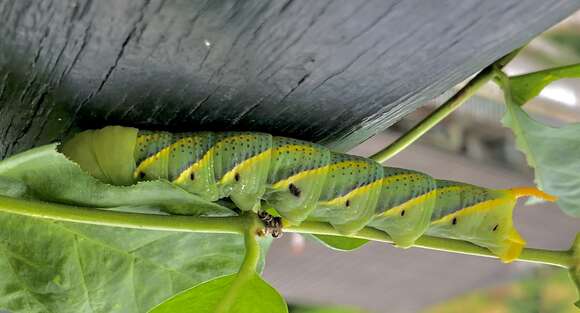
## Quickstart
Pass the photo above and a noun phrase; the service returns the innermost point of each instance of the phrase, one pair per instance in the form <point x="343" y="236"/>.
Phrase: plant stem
<point x="443" y="111"/>
<point x="252" y="247"/>
<point x="242" y="224"/>
<point x="435" y="117"/>
<point x="61" y="212"/>
<point x="557" y="258"/>
<point x="247" y="270"/>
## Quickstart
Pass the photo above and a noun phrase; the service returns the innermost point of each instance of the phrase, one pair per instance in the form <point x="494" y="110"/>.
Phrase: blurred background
<point x="471" y="146"/>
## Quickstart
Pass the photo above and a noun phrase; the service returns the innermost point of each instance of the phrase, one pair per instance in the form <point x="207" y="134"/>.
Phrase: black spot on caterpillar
<point x="346" y="191"/>
<point x="294" y="190"/>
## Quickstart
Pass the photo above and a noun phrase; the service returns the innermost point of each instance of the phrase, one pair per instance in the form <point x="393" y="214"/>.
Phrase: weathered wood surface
<point x="329" y="71"/>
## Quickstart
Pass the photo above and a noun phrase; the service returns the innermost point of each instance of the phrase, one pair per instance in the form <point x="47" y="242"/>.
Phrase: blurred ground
<point x="382" y="278"/>
<point x="545" y="290"/>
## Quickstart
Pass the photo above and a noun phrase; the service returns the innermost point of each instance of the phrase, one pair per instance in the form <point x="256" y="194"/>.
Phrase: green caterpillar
<point x="304" y="181"/>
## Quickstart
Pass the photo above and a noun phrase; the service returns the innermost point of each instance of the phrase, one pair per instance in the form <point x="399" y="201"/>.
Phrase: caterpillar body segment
<point x="153" y="153"/>
<point x="193" y="157"/>
<point x="406" y="204"/>
<point x="241" y="164"/>
<point x="350" y="193"/>
<point x="305" y="181"/>
<point x="297" y="174"/>
<point x="184" y="159"/>
<point x="478" y="215"/>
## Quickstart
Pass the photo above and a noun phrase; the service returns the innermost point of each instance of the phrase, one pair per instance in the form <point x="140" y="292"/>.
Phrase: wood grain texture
<point x="329" y="71"/>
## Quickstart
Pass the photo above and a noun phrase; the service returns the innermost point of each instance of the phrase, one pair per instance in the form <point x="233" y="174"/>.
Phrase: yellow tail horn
<point x="533" y="192"/>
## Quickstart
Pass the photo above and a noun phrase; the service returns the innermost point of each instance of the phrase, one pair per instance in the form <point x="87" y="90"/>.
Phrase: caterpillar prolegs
<point x="302" y="181"/>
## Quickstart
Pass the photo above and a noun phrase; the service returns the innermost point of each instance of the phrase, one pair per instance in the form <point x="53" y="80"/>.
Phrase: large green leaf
<point x="48" y="175"/>
<point x="66" y="267"/>
<point x="554" y="153"/>
<point x="254" y="296"/>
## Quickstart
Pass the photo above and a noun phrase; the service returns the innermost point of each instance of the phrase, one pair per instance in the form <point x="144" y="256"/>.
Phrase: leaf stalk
<point x="444" y="110"/>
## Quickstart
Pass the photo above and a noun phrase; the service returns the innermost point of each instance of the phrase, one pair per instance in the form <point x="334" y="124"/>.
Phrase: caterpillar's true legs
<point x="273" y="224"/>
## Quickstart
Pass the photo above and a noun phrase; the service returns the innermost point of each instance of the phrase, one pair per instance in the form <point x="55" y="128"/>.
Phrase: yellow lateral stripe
<point x="417" y="200"/>
<point x="207" y="157"/>
<point x="479" y="207"/>
<point x="352" y="193"/>
<point x="162" y="153"/>
<point x="244" y="164"/>
<point x="328" y="168"/>
<point x="185" y="174"/>
<point x="366" y="187"/>
<point x="297" y="176"/>
<point x="411" y="202"/>
<point x="315" y="171"/>
<point x="229" y="175"/>
<point x="356" y="191"/>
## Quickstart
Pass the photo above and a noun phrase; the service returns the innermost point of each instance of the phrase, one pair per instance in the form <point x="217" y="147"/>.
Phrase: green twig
<point x="443" y="111"/>
<point x="61" y="212"/>
<point x="241" y="224"/>
<point x="550" y="257"/>
<point x="248" y="268"/>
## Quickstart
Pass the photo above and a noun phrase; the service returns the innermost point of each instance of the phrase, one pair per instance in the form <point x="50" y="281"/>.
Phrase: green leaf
<point x="66" y="267"/>
<point x="254" y="296"/>
<point x="554" y="153"/>
<point x="527" y="86"/>
<point x="340" y="243"/>
<point x="50" y="176"/>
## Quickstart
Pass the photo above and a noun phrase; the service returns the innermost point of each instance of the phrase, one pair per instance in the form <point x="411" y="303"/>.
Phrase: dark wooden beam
<point x="329" y="71"/>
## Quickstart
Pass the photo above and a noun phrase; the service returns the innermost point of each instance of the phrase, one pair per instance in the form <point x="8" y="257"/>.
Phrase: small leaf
<point x="527" y="86"/>
<point x="554" y="153"/>
<point x="340" y="243"/>
<point x="253" y="296"/>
